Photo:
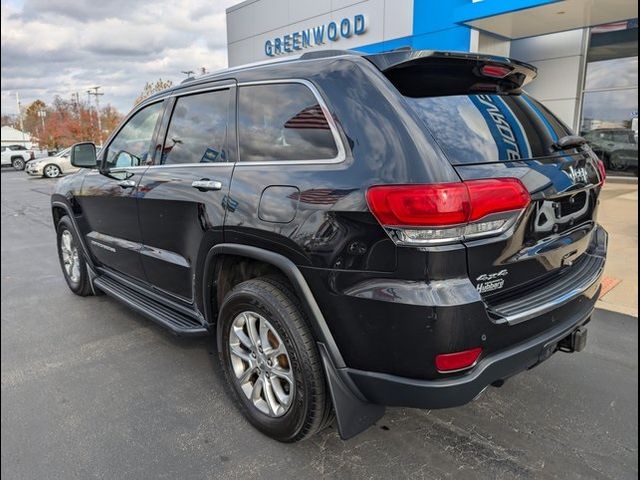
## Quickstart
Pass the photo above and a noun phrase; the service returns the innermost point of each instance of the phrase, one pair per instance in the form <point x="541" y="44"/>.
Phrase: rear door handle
<point x="127" y="183"/>
<point x="206" y="185"/>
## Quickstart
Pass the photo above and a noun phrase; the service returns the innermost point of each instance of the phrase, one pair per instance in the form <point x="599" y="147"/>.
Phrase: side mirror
<point x="83" y="155"/>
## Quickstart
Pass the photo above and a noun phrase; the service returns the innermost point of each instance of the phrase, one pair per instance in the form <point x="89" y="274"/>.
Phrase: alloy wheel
<point x="70" y="256"/>
<point x="51" y="171"/>
<point x="261" y="364"/>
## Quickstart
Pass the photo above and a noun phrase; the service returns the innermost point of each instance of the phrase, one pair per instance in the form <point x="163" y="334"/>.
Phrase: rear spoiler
<point x="428" y="73"/>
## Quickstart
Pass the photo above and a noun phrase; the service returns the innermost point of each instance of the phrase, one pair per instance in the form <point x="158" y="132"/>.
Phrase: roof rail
<point x="327" y="54"/>
<point x="187" y="80"/>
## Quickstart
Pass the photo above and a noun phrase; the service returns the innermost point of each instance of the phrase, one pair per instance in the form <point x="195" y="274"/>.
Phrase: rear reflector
<point x="445" y="212"/>
<point x="451" y="362"/>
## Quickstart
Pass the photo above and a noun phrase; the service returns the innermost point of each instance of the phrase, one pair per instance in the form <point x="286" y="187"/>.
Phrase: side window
<point x="282" y="122"/>
<point x="130" y="147"/>
<point x="198" y="129"/>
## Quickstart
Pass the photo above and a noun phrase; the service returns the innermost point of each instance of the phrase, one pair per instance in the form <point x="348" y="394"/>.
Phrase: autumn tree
<point x="67" y="122"/>
<point x="153" y="87"/>
<point x="31" y="117"/>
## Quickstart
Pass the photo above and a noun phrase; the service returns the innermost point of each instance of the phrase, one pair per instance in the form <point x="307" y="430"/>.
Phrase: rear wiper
<point x="568" y="141"/>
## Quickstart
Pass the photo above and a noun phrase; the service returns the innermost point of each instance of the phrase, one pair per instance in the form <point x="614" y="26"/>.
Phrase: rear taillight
<point x="603" y="172"/>
<point x="447" y="212"/>
<point x="452" y="362"/>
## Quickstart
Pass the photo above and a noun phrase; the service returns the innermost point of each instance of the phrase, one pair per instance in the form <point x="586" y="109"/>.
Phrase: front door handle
<point x="205" y="185"/>
<point x="127" y="183"/>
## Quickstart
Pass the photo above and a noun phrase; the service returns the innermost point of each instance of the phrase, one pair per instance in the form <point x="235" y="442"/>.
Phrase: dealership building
<point x="586" y="51"/>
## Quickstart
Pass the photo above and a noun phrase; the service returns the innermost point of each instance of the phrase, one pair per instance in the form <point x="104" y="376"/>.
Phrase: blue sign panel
<point x="330" y="32"/>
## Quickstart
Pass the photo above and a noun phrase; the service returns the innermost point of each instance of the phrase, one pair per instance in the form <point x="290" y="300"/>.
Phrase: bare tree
<point x="153" y="87"/>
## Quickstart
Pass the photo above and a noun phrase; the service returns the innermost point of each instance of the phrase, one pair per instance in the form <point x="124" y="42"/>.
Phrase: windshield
<point x="63" y="153"/>
<point x="489" y="128"/>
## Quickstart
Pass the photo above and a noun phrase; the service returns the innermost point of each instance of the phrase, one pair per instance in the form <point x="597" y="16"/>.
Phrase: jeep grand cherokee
<point x="355" y="231"/>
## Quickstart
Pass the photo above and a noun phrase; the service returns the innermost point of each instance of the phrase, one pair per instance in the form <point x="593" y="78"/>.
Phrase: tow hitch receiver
<point x="574" y="342"/>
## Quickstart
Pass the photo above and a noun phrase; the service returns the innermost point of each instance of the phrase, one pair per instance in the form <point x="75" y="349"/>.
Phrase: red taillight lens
<point x="496" y="195"/>
<point x="450" y="362"/>
<point x="420" y="205"/>
<point x="495" y="71"/>
<point x="446" y="212"/>
<point x="603" y="172"/>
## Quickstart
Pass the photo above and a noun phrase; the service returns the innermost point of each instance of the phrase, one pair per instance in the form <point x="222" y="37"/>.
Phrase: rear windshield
<point x="489" y="128"/>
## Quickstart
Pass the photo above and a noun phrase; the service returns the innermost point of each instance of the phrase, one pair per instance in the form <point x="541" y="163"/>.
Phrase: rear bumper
<point x="391" y="390"/>
<point x="511" y="347"/>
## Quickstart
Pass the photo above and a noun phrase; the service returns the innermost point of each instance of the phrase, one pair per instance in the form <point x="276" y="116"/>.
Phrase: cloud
<point x="58" y="47"/>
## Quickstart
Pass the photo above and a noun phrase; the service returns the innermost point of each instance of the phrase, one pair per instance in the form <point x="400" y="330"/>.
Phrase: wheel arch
<point x="215" y="261"/>
<point x="354" y="413"/>
<point x="60" y="208"/>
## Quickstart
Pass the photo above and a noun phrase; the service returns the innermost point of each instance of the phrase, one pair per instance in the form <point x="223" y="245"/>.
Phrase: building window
<point x="610" y="97"/>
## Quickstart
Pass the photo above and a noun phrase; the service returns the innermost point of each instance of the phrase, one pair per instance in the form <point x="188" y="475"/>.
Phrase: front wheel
<point x="51" y="171"/>
<point x="74" y="267"/>
<point x="271" y="361"/>
<point x="18" y="163"/>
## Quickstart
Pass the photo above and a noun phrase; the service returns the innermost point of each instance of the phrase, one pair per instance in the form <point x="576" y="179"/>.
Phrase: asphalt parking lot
<point x="93" y="390"/>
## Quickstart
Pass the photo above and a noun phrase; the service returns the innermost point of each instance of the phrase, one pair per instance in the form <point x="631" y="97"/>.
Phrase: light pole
<point x="94" y="91"/>
<point x="42" y="113"/>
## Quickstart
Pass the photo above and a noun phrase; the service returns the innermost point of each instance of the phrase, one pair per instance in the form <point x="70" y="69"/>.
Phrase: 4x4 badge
<point x="491" y="281"/>
<point x="490" y="276"/>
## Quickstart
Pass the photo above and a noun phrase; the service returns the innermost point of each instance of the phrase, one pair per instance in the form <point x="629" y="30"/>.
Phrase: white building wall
<point x="561" y="59"/>
<point x="253" y="22"/>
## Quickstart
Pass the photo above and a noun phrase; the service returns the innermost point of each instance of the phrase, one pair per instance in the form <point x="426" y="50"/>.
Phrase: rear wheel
<point x="617" y="163"/>
<point x="51" y="171"/>
<point x="18" y="163"/>
<point x="74" y="267"/>
<point x="271" y="361"/>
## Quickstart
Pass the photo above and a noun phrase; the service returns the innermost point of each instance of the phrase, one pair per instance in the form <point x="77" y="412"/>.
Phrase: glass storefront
<point x="610" y="97"/>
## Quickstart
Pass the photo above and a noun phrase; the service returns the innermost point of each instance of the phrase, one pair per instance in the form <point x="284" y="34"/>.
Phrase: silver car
<point x="51" y="167"/>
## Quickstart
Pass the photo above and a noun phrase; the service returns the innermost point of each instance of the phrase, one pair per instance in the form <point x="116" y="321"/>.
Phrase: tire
<point x="616" y="164"/>
<point x="309" y="408"/>
<point x="18" y="163"/>
<point x="77" y="276"/>
<point x="51" y="171"/>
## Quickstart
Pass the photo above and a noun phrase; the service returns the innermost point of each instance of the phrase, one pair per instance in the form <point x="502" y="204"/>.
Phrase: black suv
<point x="405" y="229"/>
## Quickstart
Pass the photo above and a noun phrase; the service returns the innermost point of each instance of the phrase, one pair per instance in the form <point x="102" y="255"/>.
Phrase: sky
<point x="58" y="47"/>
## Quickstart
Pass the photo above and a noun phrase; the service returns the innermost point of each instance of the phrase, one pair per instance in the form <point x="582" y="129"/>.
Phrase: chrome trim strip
<point x="100" y="239"/>
<point x="557" y="302"/>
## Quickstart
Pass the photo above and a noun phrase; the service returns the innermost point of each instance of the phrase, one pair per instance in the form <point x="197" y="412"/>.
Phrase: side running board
<point x="175" y="321"/>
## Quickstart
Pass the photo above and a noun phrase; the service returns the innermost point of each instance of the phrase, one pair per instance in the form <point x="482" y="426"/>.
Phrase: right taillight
<point x="603" y="172"/>
<point x="447" y="212"/>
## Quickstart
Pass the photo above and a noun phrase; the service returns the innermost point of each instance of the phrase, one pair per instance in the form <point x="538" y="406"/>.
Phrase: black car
<point x="355" y="231"/>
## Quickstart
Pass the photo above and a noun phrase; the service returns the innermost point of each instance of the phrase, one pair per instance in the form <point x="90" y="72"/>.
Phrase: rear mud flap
<point x="353" y="414"/>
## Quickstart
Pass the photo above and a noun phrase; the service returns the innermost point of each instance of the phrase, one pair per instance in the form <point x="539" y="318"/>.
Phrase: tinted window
<point x="484" y="128"/>
<point x="282" y="122"/>
<point x="198" y="129"/>
<point x="130" y="147"/>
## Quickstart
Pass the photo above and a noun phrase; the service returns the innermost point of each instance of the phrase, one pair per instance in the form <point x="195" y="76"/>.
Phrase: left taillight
<point x="447" y="212"/>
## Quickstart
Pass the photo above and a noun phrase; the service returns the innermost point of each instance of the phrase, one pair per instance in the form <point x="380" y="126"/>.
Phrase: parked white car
<point x="16" y="155"/>
<point x="51" y="167"/>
